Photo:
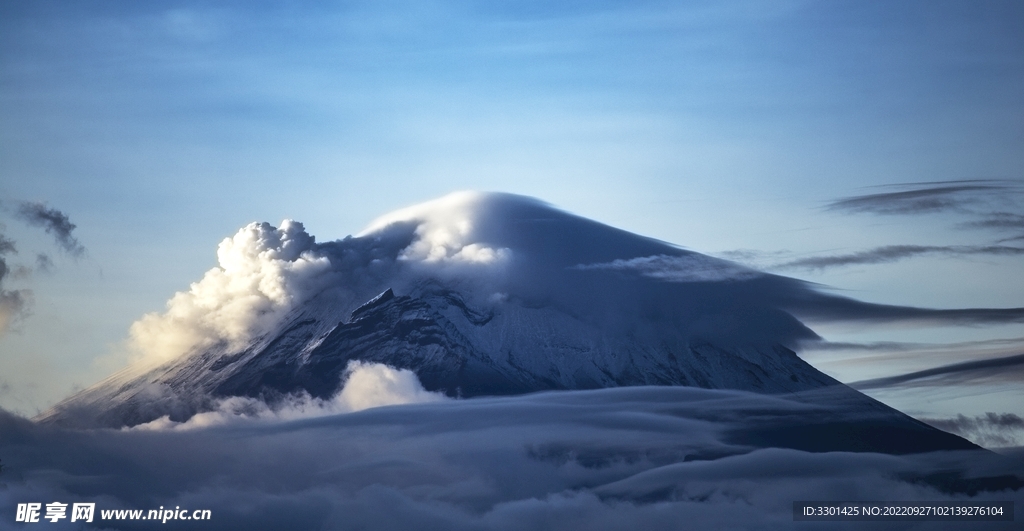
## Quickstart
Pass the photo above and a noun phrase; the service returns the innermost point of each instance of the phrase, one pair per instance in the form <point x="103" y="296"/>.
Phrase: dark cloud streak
<point x="44" y="263"/>
<point x="1008" y="367"/>
<point x="995" y="205"/>
<point x="883" y="346"/>
<point x="54" y="222"/>
<point x="919" y="201"/>
<point x="893" y="253"/>
<point x="896" y="346"/>
<point x="13" y="303"/>
<point x="817" y="306"/>
<point x="997" y="220"/>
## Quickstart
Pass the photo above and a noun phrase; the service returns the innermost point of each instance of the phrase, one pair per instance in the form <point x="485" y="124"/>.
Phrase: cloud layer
<point x="645" y="458"/>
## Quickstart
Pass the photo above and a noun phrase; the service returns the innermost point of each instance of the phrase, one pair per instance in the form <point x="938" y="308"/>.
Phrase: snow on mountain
<point x="475" y="293"/>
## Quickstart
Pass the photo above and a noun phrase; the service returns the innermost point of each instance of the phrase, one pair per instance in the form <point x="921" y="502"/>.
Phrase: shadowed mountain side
<point x="431" y="335"/>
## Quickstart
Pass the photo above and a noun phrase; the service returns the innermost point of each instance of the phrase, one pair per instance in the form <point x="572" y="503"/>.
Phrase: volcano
<point x="483" y="294"/>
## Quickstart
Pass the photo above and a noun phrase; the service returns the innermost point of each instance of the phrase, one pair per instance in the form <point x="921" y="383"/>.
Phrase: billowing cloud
<point x="446" y="231"/>
<point x="893" y="253"/>
<point x="373" y="384"/>
<point x="263" y="272"/>
<point x="367" y="385"/>
<point x="54" y="222"/>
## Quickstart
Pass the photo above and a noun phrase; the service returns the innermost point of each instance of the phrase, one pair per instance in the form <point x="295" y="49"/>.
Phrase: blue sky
<point x="161" y="128"/>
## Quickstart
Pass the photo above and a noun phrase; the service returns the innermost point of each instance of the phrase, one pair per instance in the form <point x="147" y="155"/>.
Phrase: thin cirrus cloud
<point x="989" y="205"/>
<point x="950" y="196"/>
<point x="897" y="346"/>
<point x="894" y="253"/>
<point x="993" y="204"/>
<point x="998" y="220"/>
<point x="1007" y="368"/>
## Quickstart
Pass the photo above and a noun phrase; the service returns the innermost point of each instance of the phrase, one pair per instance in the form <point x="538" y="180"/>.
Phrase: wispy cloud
<point x="899" y="346"/>
<point x="1008" y="368"/>
<point x="822" y="307"/>
<point x="993" y="205"/>
<point x="875" y="346"/>
<point x="950" y="195"/>
<point x="44" y="263"/>
<point x="686" y="268"/>
<point x="54" y="222"/>
<point x="991" y="429"/>
<point x="997" y="220"/>
<point x="13" y="303"/>
<point x="893" y="253"/>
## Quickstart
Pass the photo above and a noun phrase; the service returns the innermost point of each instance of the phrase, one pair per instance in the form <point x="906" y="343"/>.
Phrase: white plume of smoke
<point x="263" y="272"/>
<point x="367" y="385"/>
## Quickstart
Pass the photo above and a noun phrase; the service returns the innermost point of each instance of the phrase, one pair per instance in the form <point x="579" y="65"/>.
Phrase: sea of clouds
<point x="643" y="458"/>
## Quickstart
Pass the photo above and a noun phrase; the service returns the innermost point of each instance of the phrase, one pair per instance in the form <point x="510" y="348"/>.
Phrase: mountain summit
<point x="477" y="294"/>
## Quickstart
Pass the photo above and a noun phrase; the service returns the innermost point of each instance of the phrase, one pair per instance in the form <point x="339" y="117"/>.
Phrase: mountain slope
<point x="477" y="294"/>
